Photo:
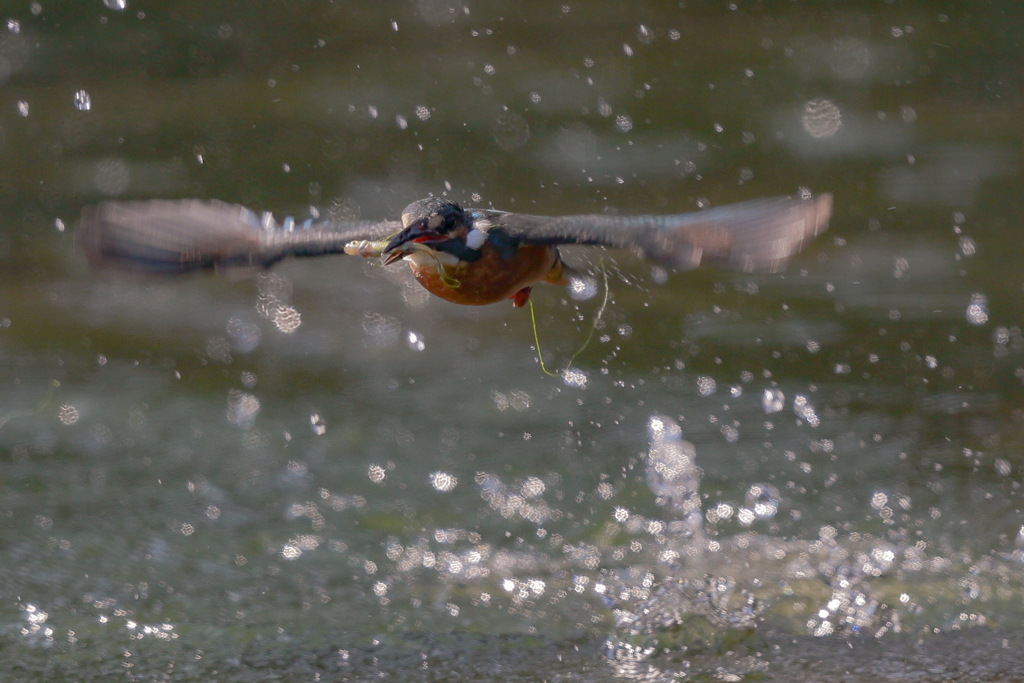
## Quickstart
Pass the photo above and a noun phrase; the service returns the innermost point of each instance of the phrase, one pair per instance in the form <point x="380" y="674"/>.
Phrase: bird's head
<point x="435" y="224"/>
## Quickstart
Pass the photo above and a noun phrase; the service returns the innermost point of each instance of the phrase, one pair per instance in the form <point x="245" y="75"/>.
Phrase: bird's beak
<point x="416" y="237"/>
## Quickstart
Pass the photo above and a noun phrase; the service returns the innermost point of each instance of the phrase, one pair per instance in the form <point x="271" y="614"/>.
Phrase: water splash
<point x="673" y="476"/>
<point x="36" y="629"/>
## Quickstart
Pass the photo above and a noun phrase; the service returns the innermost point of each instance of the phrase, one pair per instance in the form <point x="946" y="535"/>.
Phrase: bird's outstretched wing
<point x="189" y="234"/>
<point x="753" y="236"/>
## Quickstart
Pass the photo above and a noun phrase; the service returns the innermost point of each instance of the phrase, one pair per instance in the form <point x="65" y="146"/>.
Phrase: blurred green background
<point x="322" y="473"/>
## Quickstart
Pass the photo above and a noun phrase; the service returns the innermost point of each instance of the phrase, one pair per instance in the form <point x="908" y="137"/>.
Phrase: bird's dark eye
<point x="441" y="216"/>
<point x="446" y="219"/>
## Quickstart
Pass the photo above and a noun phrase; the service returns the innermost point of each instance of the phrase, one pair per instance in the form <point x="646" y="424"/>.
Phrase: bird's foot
<point x="520" y="298"/>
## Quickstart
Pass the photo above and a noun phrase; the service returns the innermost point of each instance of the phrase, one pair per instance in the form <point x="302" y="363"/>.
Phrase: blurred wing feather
<point x="180" y="235"/>
<point x="754" y="236"/>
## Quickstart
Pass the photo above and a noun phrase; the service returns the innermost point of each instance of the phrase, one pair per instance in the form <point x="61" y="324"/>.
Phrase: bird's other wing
<point x="179" y="235"/>
<point x="753" y="236"/>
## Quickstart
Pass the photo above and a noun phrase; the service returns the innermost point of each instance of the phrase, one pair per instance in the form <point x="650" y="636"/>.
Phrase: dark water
<point x="325" y="474"/>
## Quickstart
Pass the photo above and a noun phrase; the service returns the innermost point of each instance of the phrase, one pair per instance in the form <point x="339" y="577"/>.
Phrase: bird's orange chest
<point x="487" y="280"/>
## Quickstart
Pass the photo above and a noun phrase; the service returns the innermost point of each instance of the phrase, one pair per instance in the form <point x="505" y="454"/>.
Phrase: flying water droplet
<point x="245" y="336"/>
<point x="805" y="410"/>
<point x="242" y="408"/>
<point x="773" y="400"/>
<point x="821" y="118"/>
<point x="763" y="500"/>
<point x="977" y="310"/>
<point x="82" y="101"/>
<point x="415" y="341"/>
<point x="442" y="481"/>
<point x="532" y="488"/>
<point x="511" y="131"/>
<point x="582" y="288"/>
<point x="317" y="425"/>
<point x="68" y="414"/>
<point x="574" y="377"/>
<point x="287" y="319"/>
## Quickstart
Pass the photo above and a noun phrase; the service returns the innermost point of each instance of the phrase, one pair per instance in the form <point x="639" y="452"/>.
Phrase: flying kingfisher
<point x="466" y="256"/>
